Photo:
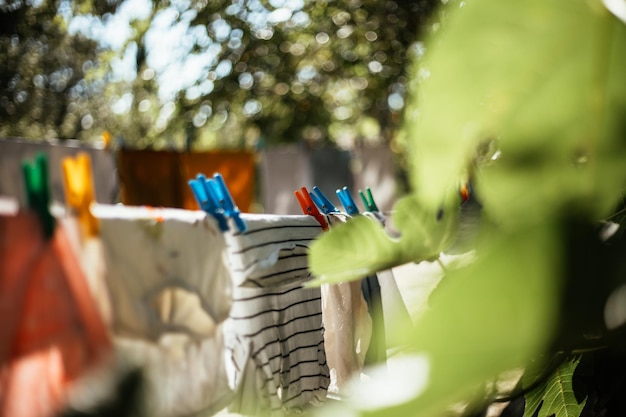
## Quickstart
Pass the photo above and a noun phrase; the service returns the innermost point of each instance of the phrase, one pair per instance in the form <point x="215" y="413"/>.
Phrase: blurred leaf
<point x="541" y="77"/>
<point x="491" y="316"/>
<point x="555" y="396"/>
<point x="360" y="247"/>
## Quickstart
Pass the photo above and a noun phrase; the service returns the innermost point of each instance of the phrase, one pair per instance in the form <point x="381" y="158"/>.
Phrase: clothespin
<point x="106" y="138"/>
<point x="322" y="201"/>
<point x="347" y="201"/>
<point x="226" y="202"/>
<point x="207" y="200"/>
<point x="465" y="191"/>
<point x="368" y="201"/>
<point x="308" y="207"/>
<point x="79" y="190"/>
<point x="38" y="191"/>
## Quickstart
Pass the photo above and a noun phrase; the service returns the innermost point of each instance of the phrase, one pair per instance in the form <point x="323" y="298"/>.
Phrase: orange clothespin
<point x="79" y="190"/>
<point x="308" y="207"/>
<point x="106" y="138"/>
<point x="465" y="190"/>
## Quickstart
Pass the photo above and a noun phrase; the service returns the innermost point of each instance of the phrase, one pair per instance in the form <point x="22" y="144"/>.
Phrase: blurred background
<point x="280" y="93"/>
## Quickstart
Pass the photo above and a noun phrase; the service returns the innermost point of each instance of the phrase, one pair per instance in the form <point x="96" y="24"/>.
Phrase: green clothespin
<point x="38" y="191"/>
<point x="368" y="201"/>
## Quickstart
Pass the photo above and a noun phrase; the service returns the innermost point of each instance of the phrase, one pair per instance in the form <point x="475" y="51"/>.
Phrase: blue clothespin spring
<point x="207" y="200"/>
<point x="226" y="202"/>
<point x="322" y="202"/>
<point x="347" y="201"/>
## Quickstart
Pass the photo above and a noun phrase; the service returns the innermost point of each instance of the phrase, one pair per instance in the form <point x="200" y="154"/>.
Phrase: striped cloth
<point x="274" y="335"/>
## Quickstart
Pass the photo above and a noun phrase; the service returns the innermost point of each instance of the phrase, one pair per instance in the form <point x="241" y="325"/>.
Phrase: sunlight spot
<point x="122" y="105"/>
<point x="307" y="73"/>
<point x="199" y="119"/>
<point x="615" y="308"/>
<point x="144" y="105"/>
<point x="223" y="68"/>
<point x="251" y="108"/>
<point x="87" y="121"/>
<point x="375" y="67"/>
<point x="345" y="31"/>
<point x="395" y="101"/>
<point x="246" y="81"/>
<point x="371" y="36"/>
<point x="322" y="38"/>
<point x="397" y="382"/>
<point x="279" y="15"/>
<point x="147" y="74"/>
<point x="342" y="113"/>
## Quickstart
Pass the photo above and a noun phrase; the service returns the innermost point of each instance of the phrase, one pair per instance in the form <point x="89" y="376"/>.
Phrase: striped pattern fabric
<point x="274" y="335"/>
<point x="273" y="250"/>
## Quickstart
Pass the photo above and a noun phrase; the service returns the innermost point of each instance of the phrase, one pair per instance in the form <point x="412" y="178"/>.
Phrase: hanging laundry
<point x="394" y="310"/>
<point x="155" y="255"/>
<point x="159" y="178"/>
<point x="354" y="318"/>
<point x="170" y="292"/>
<point x="52" y="333"/>
<point x="274" y="334"/>
<point x="82" y="226"/>
<point x="347" y="323"/>
<point x="348" y="327"/>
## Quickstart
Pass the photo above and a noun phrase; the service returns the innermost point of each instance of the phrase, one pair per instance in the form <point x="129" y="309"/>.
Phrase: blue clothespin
<point x="347" y="201"/>
<point x="207" y="201"/>
<point x="368" y="201"/>
<point x="226" y="201"/>
<point x="322" y="201"/>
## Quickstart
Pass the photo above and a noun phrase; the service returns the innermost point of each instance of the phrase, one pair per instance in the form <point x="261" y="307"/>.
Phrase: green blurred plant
<point x="528" y="101"/>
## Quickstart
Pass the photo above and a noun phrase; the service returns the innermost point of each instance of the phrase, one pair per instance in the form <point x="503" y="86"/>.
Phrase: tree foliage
<point x="49" y="86"/>
<point x="235" y="73"/>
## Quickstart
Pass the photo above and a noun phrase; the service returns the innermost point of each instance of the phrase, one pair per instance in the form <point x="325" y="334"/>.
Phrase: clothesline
<point x="210" y="331"/>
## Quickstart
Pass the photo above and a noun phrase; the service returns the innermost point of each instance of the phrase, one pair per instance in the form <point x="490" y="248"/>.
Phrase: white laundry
<point x="348" y="327"/>
<point x="170" y="293"/>
<point x="160" y="263"/>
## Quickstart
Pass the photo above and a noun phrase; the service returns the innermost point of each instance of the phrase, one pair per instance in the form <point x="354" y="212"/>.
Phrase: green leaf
<point x="554" y="396"/>
<point x="360" y="247"/>
<point x="541" y="77"/>
<point x="489" y="317"/>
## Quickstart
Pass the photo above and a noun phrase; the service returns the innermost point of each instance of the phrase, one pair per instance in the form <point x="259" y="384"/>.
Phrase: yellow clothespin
<point x="79" y="190"/>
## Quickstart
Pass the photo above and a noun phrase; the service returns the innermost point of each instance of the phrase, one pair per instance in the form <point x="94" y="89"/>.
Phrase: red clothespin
<point x="308" y="207"/>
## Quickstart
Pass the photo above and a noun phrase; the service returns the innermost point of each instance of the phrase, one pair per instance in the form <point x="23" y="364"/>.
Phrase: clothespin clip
<point x="38" y="191"/>
<point x="207" y="200"/>
<point x="347" y="201"/>
<point x="226" y="202"/>
<point x="465" y="191"/>
<point x="79" y="190"/>
<point x="322" y="201"/>
<point x="308" y="207"/>
<point x="368" y="201"/>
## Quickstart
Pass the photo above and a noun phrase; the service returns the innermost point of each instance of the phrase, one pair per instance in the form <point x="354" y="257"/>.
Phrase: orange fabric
<point x="51" y="331"/>
<point x="160" y="178"/>
<point x="149" y="178"/>
<point x="237" y="168"/>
